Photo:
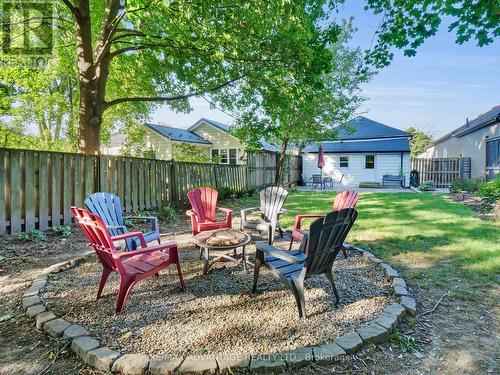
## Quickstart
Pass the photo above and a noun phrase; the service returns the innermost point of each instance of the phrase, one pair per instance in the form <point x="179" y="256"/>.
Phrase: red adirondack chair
<point x="203" y="208"/>
<point x="346" y="199"/>
<point x="132" y="266"/>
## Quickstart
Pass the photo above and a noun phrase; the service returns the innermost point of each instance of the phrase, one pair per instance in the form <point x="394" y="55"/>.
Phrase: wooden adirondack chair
<point x="132" y="266"/>
<point x="346" y="199"/>
<point x="203" y="208"/>
<point x="271" y="207"/>
<point x="108" y="207"/>
<point x="326" y="237"/>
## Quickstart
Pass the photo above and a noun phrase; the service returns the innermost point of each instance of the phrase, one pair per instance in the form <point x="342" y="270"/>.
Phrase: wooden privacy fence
<point x="442" y="171"/>
<point x="37" y="188"/>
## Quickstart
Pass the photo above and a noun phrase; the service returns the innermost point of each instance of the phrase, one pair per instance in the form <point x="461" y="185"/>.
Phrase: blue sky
<point x="434" y="91"/>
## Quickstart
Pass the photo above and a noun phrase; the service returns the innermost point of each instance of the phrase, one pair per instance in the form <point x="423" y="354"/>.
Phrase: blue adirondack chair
<point x="326" y="237"/>
<point x="108" y="207"/>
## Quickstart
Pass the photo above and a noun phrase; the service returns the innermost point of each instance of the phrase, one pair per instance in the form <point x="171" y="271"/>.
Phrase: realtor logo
<point x="26" y="28"/>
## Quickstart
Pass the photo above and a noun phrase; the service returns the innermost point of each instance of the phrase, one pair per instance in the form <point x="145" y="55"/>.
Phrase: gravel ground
<point x="218" y="314"/>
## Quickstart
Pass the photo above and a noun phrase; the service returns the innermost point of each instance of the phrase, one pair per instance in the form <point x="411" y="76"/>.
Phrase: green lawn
<point x="435" y="240"/>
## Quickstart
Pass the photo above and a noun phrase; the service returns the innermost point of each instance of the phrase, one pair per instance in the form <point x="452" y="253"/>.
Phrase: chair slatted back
<point x="326" y="237"/>
<point x="97" y="234"/>
<point x="271" y="202"/>
<point x="346" y="199"/>
<point x="316" y="179"/>
<point x="204" y="203"/>
<point x="108" y="207"/>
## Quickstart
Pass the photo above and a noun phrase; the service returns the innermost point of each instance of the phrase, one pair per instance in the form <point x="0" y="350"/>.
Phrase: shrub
<point x="489" y="192"/>
<point x="464" y="184"/>
<point x="428" y="186"/>
<point x="62" y="230"/>
<point x="225" y="192"/>
<point x="34" y="236"/>
<point x="167" y="213"/>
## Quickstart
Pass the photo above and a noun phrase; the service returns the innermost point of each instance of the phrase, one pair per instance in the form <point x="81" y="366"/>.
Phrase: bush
<point x="489" y="192"/>
<point x="34" y="236"/>
<point x="167" y="213"/>
<point x="62" y="230"/>
<point x="225" y="192"/>
<point x="428" y="186"/>
<point x="464" y="184"/>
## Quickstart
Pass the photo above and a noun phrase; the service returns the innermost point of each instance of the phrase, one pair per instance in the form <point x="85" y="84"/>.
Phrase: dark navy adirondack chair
<point x="108" y="207"/>
<point x="326" y="237"/>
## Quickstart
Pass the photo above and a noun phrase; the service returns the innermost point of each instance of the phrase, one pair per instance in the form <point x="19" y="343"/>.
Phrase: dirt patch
<point x="475" y="204"/>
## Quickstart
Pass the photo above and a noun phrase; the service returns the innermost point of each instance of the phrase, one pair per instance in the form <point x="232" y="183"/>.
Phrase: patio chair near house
<point x="108" y="207"/>
<point x="306" y="180"/>
<point x="271" y="207"/>
<point x="131" y="266"/>
<point x="345" y="199"/>
<point x="317" y="181"/>
<point x="204" y="208"/>
<point x="326" y="236"/>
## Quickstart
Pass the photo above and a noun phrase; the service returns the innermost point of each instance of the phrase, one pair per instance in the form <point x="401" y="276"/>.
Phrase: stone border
<point x="105" y="359"/>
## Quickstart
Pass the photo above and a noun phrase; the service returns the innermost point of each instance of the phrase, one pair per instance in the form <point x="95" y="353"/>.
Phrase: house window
<point x="369" y="161"/>
<point x="215" y="153"/>
<point x="344" y="162"/>
<point x="223" y="156"/>
<point x="232" y="156"/>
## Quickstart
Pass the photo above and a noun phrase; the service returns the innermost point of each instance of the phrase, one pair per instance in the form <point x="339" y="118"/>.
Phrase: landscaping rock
<point x="373" y="333"/>
<point x="229" y="362"/>
<point x="376" y="260"/>
<point x="350" y="342"/>
<point x="34" y="310"/>
<point x="400" y="291"/>
<point x="102" y="358"/>
<point x="82" y="345"/>
<point x="367" y="254"/>
<point x="35" y="288"/>
<point x="267" y="364"/>
<point x="297" y="358"/>
<point x="388" y="321"/>
<point x="164" y="366"/>
<point x="74" y="331"/>
<point x="56" y="327"/>
<point x="409" y="304"/>
<point x="398" y="281"/>
<point x="30" y="301"/>
<point x="199" y="364"/>
<point x="389" y="271"/>
<point x="131" y="364"/>
<point x="328" y="353"/>
<point x="396" y="309"/>
<point x="43" y="318"/>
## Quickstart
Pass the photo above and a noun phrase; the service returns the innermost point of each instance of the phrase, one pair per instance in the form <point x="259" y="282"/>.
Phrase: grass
<point x="437" y="241"/>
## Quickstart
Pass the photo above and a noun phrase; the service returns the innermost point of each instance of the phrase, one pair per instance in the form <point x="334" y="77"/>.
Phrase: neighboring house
<point x="212" y="137"/>
<point x="478" y="139"/>
<point x="364" y="153"/>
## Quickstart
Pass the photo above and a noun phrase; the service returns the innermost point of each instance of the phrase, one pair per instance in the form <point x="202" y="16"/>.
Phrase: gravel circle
<point x="218" y="314"/>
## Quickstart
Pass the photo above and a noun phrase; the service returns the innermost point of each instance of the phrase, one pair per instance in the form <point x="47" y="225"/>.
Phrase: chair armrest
<point x="299" y="218"/>
<point x="151" y="249"/>
<point x="280" y="254"/>
<point x="139" y="235"/>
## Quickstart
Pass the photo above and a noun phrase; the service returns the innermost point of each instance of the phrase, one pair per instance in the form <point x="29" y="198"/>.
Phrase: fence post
<point x="172" y="183"/>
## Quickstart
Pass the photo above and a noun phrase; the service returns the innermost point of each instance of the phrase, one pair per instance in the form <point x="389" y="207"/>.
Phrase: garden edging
<point x="106" y="359"/>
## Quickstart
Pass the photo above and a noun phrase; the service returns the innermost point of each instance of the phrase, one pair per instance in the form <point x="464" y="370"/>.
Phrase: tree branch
<point x="71" y="7"/>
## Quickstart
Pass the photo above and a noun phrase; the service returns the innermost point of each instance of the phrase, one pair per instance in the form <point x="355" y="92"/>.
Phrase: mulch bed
<point x="218" y="314"/>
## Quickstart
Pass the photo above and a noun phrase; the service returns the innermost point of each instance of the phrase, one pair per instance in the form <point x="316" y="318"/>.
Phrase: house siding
<point x="471" y="145"/>
<point x="162" y="147"/>
<point x="385" y="163"/>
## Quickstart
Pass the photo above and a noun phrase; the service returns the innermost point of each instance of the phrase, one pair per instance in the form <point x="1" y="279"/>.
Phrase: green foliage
<point x="489" y="192"/>
<point x="427" y="186"/>
<point x="419" y="141"/>
<point x="225" y="192"/>
<point x="34" y="236"/>
<point x="62" y="230"/>
<point x="464" y="184"/>
<point x="167" y="213"/>
<point x="406" y="343"/>
<point x="407" y="24"/>
<point x="190" y="153"/>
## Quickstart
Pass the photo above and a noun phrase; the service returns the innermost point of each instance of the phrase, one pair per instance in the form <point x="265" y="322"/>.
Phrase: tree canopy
<point x="419" y="141"/>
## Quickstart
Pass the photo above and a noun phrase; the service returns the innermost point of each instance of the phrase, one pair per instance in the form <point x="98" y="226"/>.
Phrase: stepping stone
<point x="373" y="333"/>
<point x="195" y="364"/>
<point x="409" y="304"/>
<point x="102" y="358"/>
<point x="298" y="358"/>
<point x="388" y="321"/>
<point x="56" y="327"/>
<point x="30" y="301"/>
<point x="350" y="342"/>
<point x="131" y="364"/>
<point x="267" y="364"/>
<point x="398" y="281"/>
<point x="36" y="287"/>
<point x="396" y="309"/>
<point x="164" y="366"/>
<point x="389" y="271"/>
<point x="227" y="363"/>
<point x="82" y="345"/>
<point x="43" y="318"/>
<point x="74" y="331"/>
<point x="328" y="353"/>
<point x="400" y="291"/>
<point x="34" y="310"/>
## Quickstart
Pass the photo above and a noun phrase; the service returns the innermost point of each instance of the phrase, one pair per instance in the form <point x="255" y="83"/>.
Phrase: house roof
<point x="176" y="134"/>
<point x="363" y="128"/>
<point x="378" y="146"/>
<point x="485" y="119"/>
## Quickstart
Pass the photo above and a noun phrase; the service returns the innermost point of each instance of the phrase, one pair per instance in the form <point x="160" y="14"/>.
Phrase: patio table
<point x="235" y="239"/>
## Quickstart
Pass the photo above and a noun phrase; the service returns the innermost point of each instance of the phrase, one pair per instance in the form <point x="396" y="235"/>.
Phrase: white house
<point x="363" y="154"/>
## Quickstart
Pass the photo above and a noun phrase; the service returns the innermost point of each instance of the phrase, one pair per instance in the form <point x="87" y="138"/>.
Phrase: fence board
<point x="29" y="191"/>
<point x="15" y="191"/>
<point x="3" y="214"/>
<point x="43" y="191"/>
<point x="442" y="171"/>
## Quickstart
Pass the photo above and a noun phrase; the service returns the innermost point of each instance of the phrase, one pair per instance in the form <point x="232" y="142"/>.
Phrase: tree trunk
<point x="281" y="163"/>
